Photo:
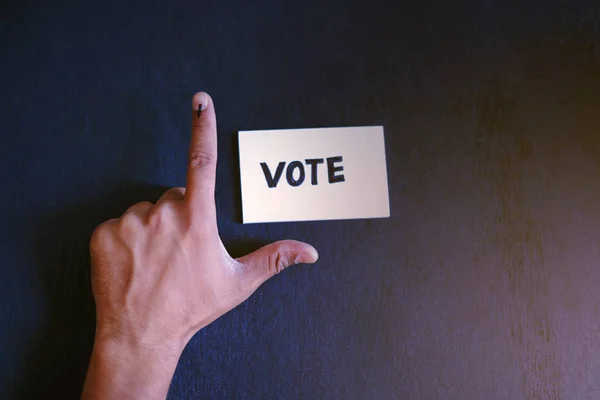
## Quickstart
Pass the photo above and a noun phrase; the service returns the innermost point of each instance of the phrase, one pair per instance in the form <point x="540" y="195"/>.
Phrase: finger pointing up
<point x="202" y="164"/>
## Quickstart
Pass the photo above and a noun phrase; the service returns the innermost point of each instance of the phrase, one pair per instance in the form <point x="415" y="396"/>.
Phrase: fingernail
<point x="200" y="102"/>
<point x="309" y="257"/>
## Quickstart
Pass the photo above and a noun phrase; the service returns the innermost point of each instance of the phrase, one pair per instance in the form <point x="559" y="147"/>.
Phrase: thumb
<point x="270" y="260"/>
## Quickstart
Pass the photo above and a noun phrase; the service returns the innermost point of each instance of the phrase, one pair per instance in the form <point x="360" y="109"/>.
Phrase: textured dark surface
<point x="482" y="285"/>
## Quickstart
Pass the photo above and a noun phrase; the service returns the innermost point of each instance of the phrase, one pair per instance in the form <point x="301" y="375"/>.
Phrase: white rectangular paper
<point x="351" y="176"/>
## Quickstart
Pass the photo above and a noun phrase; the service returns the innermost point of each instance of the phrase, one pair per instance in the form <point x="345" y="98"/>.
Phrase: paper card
<point x="313" y="174"/>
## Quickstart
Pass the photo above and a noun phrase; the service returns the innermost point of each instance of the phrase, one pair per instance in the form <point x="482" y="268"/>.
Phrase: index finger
<point x="202" y="163"/>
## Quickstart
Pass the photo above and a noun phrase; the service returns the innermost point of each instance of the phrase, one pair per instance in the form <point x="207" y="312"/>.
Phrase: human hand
<point x="160" y="273"/>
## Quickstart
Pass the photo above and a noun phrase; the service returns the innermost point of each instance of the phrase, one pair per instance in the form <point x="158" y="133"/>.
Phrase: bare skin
<point x="160" y="273"/>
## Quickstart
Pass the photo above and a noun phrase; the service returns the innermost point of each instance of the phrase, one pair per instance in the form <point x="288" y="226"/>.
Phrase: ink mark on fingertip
<point x="199" y="111"/>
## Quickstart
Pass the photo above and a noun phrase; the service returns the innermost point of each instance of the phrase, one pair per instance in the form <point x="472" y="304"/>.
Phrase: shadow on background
<point x="236" y="184"/>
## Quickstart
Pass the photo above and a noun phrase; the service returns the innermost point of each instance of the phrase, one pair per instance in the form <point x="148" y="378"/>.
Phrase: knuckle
<point x="143" y="205"/>
<point x="200" y="158"/>
<point x="162" y="213"/>
<point x="130" y="221"/>
<point x="137" y="209"/>
<point x="176" y="192"/>
<point x="100" y="236"/>
<point x="278" y="261"/>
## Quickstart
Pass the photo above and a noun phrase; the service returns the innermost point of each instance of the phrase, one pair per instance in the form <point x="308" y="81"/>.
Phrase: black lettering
<point x="290" y="173"/>
<point x="313" y="162"/>
<point x="272" y="182"/>
<point x="332" y="169"/>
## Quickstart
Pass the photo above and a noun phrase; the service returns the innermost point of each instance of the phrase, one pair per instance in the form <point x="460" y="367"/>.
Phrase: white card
<point x="313" y="174"/>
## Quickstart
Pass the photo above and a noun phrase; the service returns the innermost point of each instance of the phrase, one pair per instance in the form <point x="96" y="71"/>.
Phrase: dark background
<point x="482" y="285"/>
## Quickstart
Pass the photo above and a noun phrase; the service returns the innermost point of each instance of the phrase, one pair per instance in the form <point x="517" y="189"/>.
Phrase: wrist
<point x="125" y="369"/>
<point x="122" y="352"/>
